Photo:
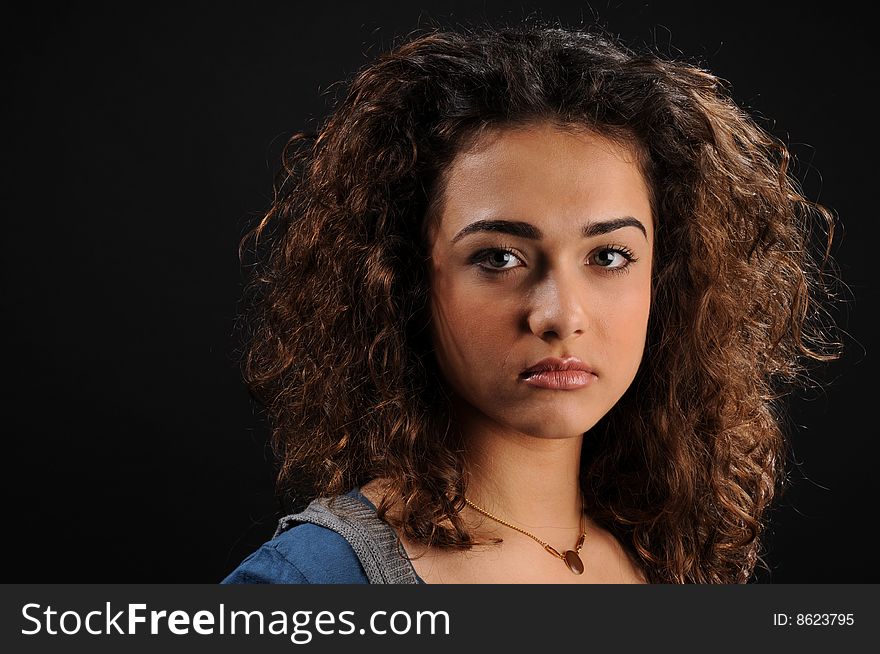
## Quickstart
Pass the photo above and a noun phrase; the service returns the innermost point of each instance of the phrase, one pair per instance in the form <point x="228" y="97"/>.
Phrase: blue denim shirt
<point x="305" y="554"/>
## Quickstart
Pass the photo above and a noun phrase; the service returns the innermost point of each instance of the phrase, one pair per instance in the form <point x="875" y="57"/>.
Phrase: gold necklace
<point x="571" y="557"/>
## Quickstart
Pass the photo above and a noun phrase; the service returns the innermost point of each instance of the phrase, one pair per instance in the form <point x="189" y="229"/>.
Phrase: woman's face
<point x="542" y="249"/>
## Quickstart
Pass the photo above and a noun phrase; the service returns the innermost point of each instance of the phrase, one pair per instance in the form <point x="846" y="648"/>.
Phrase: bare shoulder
<point x="613" y="557"/>
<point x="373" y="491"/>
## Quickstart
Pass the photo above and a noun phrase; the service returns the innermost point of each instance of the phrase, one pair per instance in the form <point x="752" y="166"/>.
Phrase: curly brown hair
<point x="684" y="467"/>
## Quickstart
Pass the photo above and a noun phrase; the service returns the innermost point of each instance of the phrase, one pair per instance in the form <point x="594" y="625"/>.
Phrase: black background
<point x="139" y="144"/>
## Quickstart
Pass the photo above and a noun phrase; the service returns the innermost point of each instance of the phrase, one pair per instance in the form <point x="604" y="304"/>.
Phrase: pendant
<point x="573" y="561"/>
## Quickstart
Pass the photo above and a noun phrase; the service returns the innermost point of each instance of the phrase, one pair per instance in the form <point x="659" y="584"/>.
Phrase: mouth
<point x="554" y="373"/>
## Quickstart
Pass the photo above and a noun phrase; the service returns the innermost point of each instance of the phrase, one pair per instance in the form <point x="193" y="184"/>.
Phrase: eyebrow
<point x="527" y="230"/>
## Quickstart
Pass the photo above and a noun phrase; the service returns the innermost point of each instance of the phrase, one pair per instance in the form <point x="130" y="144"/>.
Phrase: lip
<point x="568" y="373"/>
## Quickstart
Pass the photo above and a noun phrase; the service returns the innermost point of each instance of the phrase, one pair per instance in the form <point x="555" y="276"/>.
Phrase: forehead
<point x="543" y="173"/>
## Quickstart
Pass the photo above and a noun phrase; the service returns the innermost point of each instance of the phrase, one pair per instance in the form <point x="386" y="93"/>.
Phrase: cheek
<point x="625" y="324"/>
<point x="469" y="329"/>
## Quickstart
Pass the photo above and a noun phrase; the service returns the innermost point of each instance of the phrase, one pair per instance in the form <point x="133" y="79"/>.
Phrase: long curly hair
<point x="684" y="467"/>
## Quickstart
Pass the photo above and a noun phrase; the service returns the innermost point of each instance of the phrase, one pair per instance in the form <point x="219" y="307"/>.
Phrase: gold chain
<point x="552" y="550"/>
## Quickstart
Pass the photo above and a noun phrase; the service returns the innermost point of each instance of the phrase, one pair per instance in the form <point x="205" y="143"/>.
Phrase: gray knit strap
<point x="374" y="542"/>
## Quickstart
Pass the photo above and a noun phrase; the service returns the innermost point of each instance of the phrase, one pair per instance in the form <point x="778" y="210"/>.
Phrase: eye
<point x="496" y="260"/>
<point x="616" y="258"/>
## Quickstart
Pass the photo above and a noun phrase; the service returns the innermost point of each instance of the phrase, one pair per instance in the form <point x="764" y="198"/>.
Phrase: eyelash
<point x="628" y="254"/>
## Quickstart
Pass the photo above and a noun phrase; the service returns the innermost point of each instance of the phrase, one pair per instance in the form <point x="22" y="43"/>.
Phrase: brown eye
<point x="606" y="258"/>
<point x="496" y="260"/>
<point x="612" y="258"/>
<point x="499" y="258"/>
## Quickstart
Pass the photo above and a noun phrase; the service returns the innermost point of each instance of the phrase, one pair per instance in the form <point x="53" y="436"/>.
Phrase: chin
<point x="558" y="429"/>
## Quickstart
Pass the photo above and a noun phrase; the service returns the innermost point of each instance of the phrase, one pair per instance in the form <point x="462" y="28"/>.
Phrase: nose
<point x="557" y="310"/>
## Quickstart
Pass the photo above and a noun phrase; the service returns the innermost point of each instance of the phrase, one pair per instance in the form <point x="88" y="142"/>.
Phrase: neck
<point x="527" y="480"/>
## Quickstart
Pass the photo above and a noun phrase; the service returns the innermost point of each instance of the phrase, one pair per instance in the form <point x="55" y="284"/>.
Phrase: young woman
<point x="523" y="310"/>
